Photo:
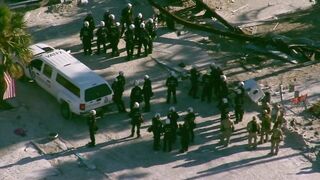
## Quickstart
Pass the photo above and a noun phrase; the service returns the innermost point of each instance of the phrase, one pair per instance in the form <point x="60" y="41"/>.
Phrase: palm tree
<point x="14" y="43"/>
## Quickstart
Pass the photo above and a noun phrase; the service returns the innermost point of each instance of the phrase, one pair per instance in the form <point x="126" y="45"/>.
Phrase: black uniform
<point x="136" y="120"/>
<point x="114" y="39"/>
<point x="216" y="80"/>
<point x="239" y="110"/>
<point x="137" y="23"/>
<point x="190" y="120"/>
<point x="109" y="24"/>
<point x="106" y="18"/>
<point x="194" y="79"/>
<point x="126" y="17"/>
<point x="184" y="137"/>
<point x="86" y="36"/>
<point x="207" y="88"/>
<point x="172" y="84"/>
<point x="173" y="116"/>
<point x="147" y="94"/>
<point x="156" y="128"/>
<point x="224" y="109"/>
<point x="90" y="19"/>
<point x="117" y="96"/>
<point x="136" y="95"/>
<point x="122" y="83"/>
<point x="92" y="129"/>
<point x="151" y="29"/>
<point x="224" y="91"/>
<point x="144" y="39"/>
<point x="167" y="138"/>
<point x="129" y="38"/>
<point x="101" y="39"/>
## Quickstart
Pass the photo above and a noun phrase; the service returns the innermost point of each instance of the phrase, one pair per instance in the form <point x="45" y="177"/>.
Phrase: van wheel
<point x="65" y="111"/>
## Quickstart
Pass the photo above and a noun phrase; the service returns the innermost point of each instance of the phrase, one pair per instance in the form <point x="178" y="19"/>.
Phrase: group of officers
<point x="213" y="82"/>
<point x="136" y="31"/>
<point x="214" y="86"/>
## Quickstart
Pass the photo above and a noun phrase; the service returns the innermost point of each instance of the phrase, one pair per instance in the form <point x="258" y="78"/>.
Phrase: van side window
<point x="68" y="85"/>
<point x="37" y="63"/>
<point x="47" y="70"/>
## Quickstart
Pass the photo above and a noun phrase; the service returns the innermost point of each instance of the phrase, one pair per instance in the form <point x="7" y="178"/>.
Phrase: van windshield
<point x="97" y="92"/>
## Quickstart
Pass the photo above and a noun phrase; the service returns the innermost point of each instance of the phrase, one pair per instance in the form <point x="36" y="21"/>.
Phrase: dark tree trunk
<point x="235" y="35"/>
<point x="219" y="18"/>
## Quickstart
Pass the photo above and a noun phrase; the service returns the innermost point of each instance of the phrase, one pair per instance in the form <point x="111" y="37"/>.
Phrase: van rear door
<point x="98" y="96"/>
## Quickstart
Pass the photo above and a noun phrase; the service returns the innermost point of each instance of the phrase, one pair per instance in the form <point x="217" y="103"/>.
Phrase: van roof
<point x="40" y="48"/>
<point x="71" y="68"/>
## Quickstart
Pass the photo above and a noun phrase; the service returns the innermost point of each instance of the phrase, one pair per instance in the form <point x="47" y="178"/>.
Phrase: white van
<point x="76" y="87"/>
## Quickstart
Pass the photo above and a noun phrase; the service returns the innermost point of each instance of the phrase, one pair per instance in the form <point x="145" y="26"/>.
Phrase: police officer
<point x="276" y="138"/>
<point x="90" y="19"/>
<point x="184" y="137"/>
<point x="101" y="37"/>
<point x="136" y="119"/>
<point x="190" y="119"/>
<point x="136" y="94"/>
<point x="267" y="107"/>
<point x="280" y="120"/>
<point x="224" y="91"/>
<point x="241" y="87"/>
<point x="156" y="128"/>
<point x="215" y="78"/>
<point x="167" y="136"/>
<point x="278" y="113"/>
<point x="137" y="22"/>
<point x="253" y="129"/>
<point x="151" y="29"/>
<point x="266" y="99"/>
<point x="126" y="16"/>
<point x="122" y="83"/>
<point x="117" y="95"/>
<point x="144" y="39"/>
<point x="86" y="36"/>
<point x="173" y="116"/>
<point x="227" y="127"/>
<point x="172" y="84"/>
<point x="224" y="108"/>
<point x="239" y="102"/>
<point x="129" y="38"/>
<point x="92" y="128"/>
<point x="265" y="127"/>
<point x="147" y="93"/>
<point x="115" y="38"/>
<point x="106" y="17"/>
<point x="207" y="87"/>
<point x="194" y="80"/>
<point x="110" y="22"/>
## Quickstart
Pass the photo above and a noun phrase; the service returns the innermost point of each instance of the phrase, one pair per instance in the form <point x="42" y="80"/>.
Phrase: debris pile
<point x="315" y="109"/>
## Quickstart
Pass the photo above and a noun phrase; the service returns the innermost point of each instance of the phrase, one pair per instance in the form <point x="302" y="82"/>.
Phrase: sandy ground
<point x="119" y="157"/>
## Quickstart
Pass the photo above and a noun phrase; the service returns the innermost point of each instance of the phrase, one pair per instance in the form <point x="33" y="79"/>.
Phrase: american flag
<point x="11" y="87"/>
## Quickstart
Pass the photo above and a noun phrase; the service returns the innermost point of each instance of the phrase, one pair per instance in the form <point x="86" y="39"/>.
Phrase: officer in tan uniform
<point x="253" y="129"/>
<point x="265" y="127"/>
<point x="226" y="128"/>
<point x="277" y="136"/>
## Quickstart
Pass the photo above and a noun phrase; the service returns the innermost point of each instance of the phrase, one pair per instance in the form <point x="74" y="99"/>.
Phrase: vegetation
<point x="14" y="43"/>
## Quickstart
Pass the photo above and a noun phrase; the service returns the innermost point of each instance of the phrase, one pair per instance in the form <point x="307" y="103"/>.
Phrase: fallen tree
<point x="213" y="13"/>
<point x="204" y="27"/>
<point x="280" y="49"/>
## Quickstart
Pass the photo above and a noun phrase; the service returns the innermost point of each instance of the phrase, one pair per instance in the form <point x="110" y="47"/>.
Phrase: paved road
<point x="119" y="157"/>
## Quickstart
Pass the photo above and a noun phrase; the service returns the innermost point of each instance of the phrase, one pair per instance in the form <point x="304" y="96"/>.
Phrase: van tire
<point x="65" y="111"/>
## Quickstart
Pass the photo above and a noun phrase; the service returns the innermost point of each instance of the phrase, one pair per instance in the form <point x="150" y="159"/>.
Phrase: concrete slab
<point x="250" y="12"/>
